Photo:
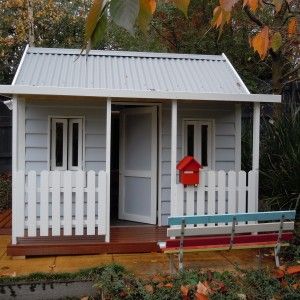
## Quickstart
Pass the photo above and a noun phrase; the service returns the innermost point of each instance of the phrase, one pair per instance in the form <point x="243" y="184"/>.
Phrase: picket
<point x="79" y="201"/>
<point x="56" y="203"/>
<point x="44" y="204"/>
<point x="102" y="203"/>
<point x="32" y="203"/>
<point x="68" y="203"/>
<point x="91" y="196"/>
<point x="221" y="193"/>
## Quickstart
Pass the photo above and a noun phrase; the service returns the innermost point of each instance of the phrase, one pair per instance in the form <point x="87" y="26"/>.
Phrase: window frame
<point x="198" y="122"/>
<point x="67" y="156"/>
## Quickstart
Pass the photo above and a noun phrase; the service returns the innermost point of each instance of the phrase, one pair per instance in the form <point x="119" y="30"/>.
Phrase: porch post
<point x="108" y="148"/>
<point x="255" y="147"/>
<point x="256" y="129"/>
<point x="173" y="156"/>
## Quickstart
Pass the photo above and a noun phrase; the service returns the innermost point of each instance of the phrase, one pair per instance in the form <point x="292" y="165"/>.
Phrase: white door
<point x="138" y="165"/>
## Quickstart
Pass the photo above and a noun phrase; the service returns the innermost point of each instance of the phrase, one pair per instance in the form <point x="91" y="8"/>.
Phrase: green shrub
<point x="5" y="191"/>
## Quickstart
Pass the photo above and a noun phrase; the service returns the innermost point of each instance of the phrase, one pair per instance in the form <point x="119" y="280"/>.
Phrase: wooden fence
<point x="218" y="193"/>
<point x="59" y="203"/>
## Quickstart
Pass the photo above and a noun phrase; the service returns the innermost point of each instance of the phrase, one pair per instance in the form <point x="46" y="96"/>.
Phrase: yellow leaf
<point x="252" y="4"/>
<point x="292" y="26"/>
<point x="147" y="9"/>
<point x="276" y="41"/>
<point x="182" y="5"/>
<point x="93" y="17"/>
<point x="260" y="42"/>
<point x="220" y="17"/>
<point x="278" y="5"/>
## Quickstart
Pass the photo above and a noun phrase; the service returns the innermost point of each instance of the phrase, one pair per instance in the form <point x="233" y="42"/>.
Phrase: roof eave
<point x="143" y="94"/>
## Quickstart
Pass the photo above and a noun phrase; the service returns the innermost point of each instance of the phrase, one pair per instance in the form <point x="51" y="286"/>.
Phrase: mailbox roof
<point x="189" y="163"/>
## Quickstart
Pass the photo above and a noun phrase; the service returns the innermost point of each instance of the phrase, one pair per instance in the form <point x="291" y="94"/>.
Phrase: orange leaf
<point x="292" y="26"/>
<point x="200" y="296"/>
<point x="203" y="288"/>
<point x="260" y="42"/>
<point x="227" y="5"/>
<point x="293" y="270"/>
<point x="168" y="285"/>
<point x="278" y="274"/>
<point x="147" y="9"/>
<point x="221" y="17"/>
<point x="253" y="4"/>
<point x="185" y="292"/>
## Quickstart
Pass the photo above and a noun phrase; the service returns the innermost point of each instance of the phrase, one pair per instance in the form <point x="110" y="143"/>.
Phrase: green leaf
<point x="276" y="41"/>
<point x="99" y="31"/>
<point x="93" y="17"/>
<point x="124" y="13"/>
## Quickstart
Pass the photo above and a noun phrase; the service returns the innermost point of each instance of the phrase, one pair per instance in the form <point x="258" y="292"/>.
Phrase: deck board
<point x="124" y="239"/>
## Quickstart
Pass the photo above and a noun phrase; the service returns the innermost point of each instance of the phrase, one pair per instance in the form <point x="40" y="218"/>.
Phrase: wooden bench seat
<point x="229" y="231"/>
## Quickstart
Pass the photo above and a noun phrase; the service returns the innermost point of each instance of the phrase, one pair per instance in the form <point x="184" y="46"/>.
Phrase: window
<point x="198" y="141"/>
<point x="66" y="144"/>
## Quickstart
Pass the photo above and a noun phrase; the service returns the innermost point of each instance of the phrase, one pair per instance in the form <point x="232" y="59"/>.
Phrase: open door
<point x="138" y="165"/>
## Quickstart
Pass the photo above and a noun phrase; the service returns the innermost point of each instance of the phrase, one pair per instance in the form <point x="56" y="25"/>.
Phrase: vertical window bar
<point x="75" y="144"/>
<point x="204" y="144"/>
<point x="190" y="140"/>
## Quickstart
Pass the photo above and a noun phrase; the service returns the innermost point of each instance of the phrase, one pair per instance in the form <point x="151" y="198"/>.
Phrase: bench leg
<point x="171" y="263"/>
<point x="276" y="255"/>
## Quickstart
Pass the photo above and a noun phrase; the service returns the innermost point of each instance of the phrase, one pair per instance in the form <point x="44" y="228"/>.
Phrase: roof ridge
<point x="68" y="51"/>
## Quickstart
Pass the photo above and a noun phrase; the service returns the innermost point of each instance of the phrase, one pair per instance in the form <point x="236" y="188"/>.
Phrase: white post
<point x="255" y="149"/>
<point x="256" y="128"/>
<point x="173" y="155"/>
<point x="238" y="138"/>
<point x="108" y="149"/>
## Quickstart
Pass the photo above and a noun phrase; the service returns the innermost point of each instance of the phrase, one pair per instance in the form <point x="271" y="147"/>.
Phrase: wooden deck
<point x="124" y="239"/>
<point x="5" y="222"/>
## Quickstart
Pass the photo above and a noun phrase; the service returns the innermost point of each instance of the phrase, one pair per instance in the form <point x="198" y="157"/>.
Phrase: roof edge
<point x="20" y="64"/>
<point x="67" y="51"/>
<point x="141" y="94"/>
<point x="236" y="73"/>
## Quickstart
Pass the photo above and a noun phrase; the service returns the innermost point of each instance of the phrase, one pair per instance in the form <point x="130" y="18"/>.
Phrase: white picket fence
<point x="218" y="193"/>
<point x="65" y="202"/>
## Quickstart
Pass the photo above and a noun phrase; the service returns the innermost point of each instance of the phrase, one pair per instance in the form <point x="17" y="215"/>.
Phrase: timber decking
<point x="124" y="239"/>
<point x="5" y="222"/>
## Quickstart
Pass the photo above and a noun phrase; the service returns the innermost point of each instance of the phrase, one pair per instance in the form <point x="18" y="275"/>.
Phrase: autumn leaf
<point x="252" y="4"/>
<point x="185" y="292"/>
<point x="93" y="17"/>
<point x="293" y="270"/>
<point x="124" y="13"/>
<point x="227" y="5"/>
<point x="260" y="42"/>
<point x="220" y="17"/>
<point x="147" y="8"/>
<point x="278" y="5"/>
<point x="292" y="26"/>
<point x="276" y="41"/>
<point x="182" y="5"/>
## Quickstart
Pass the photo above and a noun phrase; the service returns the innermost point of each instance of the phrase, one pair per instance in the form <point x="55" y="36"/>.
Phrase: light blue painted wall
<point x="225" y="127"/>
<point x="36" y="130"/>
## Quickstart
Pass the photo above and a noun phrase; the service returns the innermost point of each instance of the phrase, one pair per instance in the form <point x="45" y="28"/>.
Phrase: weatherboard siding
<point x="36" y="131"/>
<point x="225" y="129"/>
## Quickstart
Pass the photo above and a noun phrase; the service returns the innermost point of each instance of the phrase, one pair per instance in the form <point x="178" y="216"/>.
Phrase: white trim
<point x="21" y="135"/>
<point x="238" y="137"/>
<point x="54" y="167"/>
<point x="256" y="130"/>
<point x="72" y="121"/>
<point x="198" y="122"/>
<point x="141" y="94"/>
<point x="107" y="164"/>
<point x="236" y="73"/>
<point x="173" y="155"/>
<point x="20" y="65"/>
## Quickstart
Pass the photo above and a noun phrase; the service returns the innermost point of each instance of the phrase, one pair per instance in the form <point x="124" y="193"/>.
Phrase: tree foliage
<point x="57" y="23"/>
<point x="272" y="26"/>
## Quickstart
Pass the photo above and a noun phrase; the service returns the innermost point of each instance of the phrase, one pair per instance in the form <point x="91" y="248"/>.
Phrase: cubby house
<point x="97" y="137"/>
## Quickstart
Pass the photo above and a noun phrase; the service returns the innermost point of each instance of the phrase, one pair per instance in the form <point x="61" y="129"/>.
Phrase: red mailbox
<point x="189" y="171"/>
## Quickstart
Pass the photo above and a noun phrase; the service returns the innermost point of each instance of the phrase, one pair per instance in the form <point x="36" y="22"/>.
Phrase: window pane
<point x="204" y="129"/>
<point x="190" y="140"/>
<point x="75" y="132"/>
<point x="59" y="144"/>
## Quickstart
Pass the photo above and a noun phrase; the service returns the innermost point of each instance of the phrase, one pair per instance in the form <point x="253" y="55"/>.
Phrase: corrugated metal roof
<point x="136" y="71"/>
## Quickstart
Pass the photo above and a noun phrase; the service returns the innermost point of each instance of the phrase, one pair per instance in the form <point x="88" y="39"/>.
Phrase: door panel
<point x="138" y="165"/>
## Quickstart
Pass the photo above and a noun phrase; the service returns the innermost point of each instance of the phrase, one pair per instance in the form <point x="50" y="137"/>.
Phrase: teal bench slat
<point x="239" y="217"/>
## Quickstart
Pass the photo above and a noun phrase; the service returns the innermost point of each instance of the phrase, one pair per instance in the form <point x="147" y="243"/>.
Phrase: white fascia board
<point x="144" y="94"/>
<point x="20" y="64"/>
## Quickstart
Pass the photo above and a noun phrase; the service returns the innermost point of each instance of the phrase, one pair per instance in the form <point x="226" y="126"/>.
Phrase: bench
<point x="228" y="231"/>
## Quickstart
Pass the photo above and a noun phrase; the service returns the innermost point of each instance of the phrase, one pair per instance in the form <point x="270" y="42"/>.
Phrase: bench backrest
<point x="272" y="222"/>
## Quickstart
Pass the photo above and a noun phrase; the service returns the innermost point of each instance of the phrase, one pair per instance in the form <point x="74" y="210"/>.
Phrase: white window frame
<point x="67" y="142"/>
<point x="197" y="139"/>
